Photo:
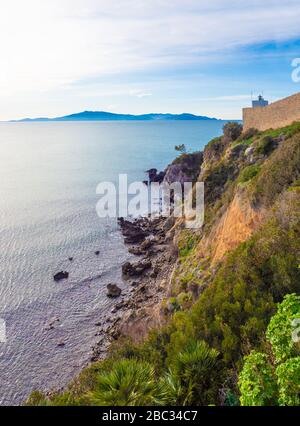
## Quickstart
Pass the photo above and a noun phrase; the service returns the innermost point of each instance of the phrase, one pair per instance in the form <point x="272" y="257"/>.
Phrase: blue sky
<point x="140" y="56"/>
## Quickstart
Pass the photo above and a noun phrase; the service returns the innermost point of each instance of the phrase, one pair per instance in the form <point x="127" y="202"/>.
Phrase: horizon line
<point x="139" y="115"/>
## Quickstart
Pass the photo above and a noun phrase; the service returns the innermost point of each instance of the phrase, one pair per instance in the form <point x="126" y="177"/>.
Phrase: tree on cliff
<point x="232" y="131"/>
<point x="180" y="148"/>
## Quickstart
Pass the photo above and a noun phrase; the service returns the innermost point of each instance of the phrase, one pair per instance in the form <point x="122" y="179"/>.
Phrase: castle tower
<point x="263" y="116"/>
<point x="260" y="102"/>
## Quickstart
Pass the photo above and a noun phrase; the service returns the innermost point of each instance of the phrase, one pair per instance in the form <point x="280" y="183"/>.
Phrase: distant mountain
<point x="109" y="116"/>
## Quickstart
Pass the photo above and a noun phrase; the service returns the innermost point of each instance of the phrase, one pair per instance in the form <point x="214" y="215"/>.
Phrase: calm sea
<point x="48" y="178"/>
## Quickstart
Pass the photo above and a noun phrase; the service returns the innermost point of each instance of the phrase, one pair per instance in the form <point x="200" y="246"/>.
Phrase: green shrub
<point x="287" y="131"/>
<point x="186" y="243"/>
<point x="231" y="399"/>
<point x="185" y="300"/>
<point x="278" y="172"/>
<point x="129" y="382"/>
<point x="232" y="313"/>
<point x="292" y="130"/>
<point x="248" y="173"/>
<point x="174" y="304"/>
<point x="37" y="398"/>
<point x="172" y="392"/>
<point x="281" y="328"/>
<point x="216" y="180"/>
<point x="190" y="164"/>
<point x="257" y="381"/>
<point x="266" y="145"/>
<point x="197" y="369"/>
<point x="215" y="143"/>
<point x="288" y="375"/>
<point x="249" y="134"/>
<point x="232" y="131"/>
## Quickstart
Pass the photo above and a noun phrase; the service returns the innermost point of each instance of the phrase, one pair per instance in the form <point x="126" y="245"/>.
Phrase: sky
<point x="139" y="56"/>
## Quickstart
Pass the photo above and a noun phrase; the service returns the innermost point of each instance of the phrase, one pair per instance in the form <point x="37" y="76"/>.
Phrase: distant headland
<point x="109" y="116"/>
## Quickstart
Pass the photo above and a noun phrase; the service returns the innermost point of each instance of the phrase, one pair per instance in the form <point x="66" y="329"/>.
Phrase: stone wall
<point x="279" y="114"/>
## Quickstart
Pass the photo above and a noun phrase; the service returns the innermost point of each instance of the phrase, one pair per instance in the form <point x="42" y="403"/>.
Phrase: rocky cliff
<point x="202" y="298"/>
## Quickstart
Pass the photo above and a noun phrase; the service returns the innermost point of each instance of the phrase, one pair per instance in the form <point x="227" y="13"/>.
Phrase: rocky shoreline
<point x="151" y="240"/>
<point x="139" y="309"/>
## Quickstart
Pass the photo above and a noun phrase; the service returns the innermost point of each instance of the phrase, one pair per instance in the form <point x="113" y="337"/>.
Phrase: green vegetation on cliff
<point x="274" y="378"/>
<point x="229" y="335"/>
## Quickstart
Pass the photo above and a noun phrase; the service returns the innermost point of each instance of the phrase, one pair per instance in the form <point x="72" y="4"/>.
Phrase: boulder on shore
<point x="132" y="232"/>
<point x="113" y="290"/>
<point x="62" y="275"/>
<point x="134" y="269"/>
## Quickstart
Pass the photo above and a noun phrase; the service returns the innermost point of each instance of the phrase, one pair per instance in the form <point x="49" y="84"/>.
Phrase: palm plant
<point x="171" y="392"/>
<point x="195" y="375"/>
<point x="129" y="383"/>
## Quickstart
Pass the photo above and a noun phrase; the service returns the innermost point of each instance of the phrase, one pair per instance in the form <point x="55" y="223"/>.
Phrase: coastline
<point x="69" y="228"/>
<point x="203" y="273"/>
<point x="138" y="307"/>
<point x="138" y="310"/>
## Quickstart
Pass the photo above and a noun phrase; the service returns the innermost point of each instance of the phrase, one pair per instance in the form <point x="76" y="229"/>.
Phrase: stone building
<point x="264" y="116"/>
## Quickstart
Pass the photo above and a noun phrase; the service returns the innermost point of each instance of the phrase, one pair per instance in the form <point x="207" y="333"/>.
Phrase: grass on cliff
<point x="279" y="172"/>
<point x="253" y="134"/>
<point x="248" y="173"/>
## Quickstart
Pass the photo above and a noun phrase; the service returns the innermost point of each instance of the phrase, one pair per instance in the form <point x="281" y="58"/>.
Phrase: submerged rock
<point x="113" y="290"/>
<point x="62" y="275"/>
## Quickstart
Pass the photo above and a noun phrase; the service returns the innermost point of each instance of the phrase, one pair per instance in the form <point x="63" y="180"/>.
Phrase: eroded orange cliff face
<point x="235" y="226"/>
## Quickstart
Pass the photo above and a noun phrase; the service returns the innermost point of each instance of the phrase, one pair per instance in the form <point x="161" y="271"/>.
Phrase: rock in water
<point x="113" y="290"/>
<point x="61" y="275"/>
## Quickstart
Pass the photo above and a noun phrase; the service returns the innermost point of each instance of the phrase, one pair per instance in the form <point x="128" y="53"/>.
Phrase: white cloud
<point x="51" y="44"/>
<point x="140" y="94"/>
<point x="229" y="98"/>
